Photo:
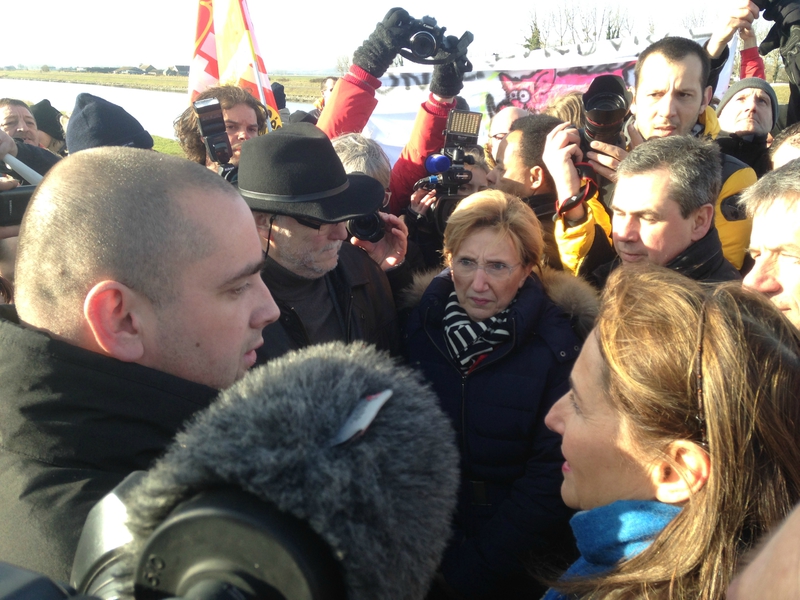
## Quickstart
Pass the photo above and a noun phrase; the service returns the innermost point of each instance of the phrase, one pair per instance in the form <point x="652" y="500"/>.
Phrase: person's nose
<point x="625" y="229"/>
<point x="493" y="177"/>
<point x="480" y="281"/>
<point x="266" y="311"/>
<point x="554" y="420"/>
<point x="338" y="231"/>
<point x="764" y="276"/>
<point x="750" y="104"/>
<point x="668" y="105"/>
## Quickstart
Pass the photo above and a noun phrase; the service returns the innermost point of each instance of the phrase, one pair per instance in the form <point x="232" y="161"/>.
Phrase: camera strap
<point x="588" y="189"/>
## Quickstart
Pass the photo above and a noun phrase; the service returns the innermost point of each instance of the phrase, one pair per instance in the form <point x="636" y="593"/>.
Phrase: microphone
<point x="337" y="442"/>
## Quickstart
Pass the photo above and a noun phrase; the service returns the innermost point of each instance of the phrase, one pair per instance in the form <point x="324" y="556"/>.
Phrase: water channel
<point x="155" y="110"/>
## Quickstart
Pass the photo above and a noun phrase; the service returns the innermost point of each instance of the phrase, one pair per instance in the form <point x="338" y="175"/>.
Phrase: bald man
<point x="138" y="297"/>
<point x="501" y="125"/>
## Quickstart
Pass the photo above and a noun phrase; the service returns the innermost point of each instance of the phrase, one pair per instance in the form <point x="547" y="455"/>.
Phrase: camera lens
<point x="444" y="208"/>
<point x="423" y="44"/>
<point x="605" y="102"/>
<point x="366" y="227"/>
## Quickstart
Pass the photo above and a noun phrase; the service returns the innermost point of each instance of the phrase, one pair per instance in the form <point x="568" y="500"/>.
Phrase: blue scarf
<point x="610" y="534"/>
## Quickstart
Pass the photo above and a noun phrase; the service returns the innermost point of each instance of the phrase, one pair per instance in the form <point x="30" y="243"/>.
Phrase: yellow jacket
<point x="574" y="242"/>
<point x="734" y="235"/>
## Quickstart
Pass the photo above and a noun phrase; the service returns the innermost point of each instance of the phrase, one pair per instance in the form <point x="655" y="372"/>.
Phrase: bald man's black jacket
<point x="73" y="424"/>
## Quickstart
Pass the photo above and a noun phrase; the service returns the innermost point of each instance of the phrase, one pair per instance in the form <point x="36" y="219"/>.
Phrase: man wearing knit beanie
<point x="749" y="106"/>
<point x="747" y="113"/>
<point x="96" y="122"/>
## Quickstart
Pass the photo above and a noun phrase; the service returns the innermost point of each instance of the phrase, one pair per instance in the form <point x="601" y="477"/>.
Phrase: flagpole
<point x="254" y="56"/>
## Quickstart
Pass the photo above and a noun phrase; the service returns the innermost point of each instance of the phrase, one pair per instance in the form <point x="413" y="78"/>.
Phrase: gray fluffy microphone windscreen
<point x="378" y="487"/>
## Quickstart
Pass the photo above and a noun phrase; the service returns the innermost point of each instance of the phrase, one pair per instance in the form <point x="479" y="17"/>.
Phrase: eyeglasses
<point x="698" y="368"/>
<point x="310" y="224"/>
<point x="494" y="270"/>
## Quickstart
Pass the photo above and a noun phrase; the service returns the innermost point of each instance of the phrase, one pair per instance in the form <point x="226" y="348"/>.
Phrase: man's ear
<point x="683" y="475"/>
<point x="708" y="93"/>
<point x="537" y="178"/>
<point x="702" y="219"/>
<point x="114" y="314"/>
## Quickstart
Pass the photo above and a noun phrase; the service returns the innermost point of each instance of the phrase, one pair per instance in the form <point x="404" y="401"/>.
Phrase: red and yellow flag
<point x="226" y="52"/>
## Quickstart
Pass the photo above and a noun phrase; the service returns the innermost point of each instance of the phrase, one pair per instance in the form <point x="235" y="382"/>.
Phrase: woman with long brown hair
<point x="680" y="434"/>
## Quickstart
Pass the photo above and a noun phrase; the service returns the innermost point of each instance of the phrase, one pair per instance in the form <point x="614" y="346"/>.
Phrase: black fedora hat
<point x="295" y="171"/>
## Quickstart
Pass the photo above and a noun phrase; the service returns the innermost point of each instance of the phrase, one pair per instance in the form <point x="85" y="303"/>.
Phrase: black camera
<point x="447" y="169"/>
<point x="14" y="203"/>
<point x="605" y="104"/>
<point x="212" y="129"/>
<point x="425" y="39"/>
<point x="366" y="227"/>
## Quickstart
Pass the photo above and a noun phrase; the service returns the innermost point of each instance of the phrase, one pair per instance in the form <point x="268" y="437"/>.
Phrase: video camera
<point x="223" y="544"/>
<point x="447" y="169"/>
<point x="212" y="129"/>
<point x="425" y="39"/>
<point x="14" y="203"/>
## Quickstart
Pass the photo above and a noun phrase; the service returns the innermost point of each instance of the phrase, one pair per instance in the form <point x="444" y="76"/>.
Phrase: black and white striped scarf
<point x="466" y="339"/>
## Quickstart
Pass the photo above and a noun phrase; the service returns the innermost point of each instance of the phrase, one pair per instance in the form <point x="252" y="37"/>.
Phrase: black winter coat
<point x="364" y="303"/>
<point x="702" y="261"/>
<point x="509" y="501"/>
<point x="73" y="425"/>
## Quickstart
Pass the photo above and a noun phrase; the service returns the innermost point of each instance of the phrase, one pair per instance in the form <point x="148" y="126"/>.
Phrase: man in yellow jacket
<point x="671" y="97"/>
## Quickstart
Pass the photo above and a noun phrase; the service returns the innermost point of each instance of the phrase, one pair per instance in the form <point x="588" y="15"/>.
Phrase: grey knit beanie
<point x="751" y="82"/>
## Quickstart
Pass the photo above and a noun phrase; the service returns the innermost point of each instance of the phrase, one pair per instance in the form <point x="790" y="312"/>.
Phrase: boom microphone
<point x="337" y="440"/>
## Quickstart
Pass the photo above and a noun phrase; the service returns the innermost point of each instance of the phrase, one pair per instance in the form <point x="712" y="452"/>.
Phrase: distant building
<point x="174" y="70"/>
<point x="129" y="71"/>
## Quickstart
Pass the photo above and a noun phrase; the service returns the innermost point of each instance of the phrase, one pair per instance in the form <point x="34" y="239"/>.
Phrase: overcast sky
<point x="292" y="37"/>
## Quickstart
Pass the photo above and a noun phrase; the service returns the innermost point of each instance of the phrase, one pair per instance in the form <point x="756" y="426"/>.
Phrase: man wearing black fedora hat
<point x="326" y="288"/>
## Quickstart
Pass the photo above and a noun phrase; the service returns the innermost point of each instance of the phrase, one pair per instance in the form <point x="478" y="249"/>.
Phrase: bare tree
<point x="343" y="64"/>
<point x="619" y="24"/>
<point x="695" y="19"/>
<point x="561" y="22"/>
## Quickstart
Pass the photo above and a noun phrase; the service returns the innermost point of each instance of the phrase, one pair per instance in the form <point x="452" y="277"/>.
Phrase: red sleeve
<point x="427" y="138"/>
<point x="752" y="65"/>
<point x="351" y="103"/>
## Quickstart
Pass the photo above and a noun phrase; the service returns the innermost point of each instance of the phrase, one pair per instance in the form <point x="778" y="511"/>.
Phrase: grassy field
<point x="782" y="92"/>
<point x="299" y="88"/>
<point x="167" y="146"/>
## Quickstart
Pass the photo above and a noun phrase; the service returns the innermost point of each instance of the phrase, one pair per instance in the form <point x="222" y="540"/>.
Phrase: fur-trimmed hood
<point x="577" y="298"/>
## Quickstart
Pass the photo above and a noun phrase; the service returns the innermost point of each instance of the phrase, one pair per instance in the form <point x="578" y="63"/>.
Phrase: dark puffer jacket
<point x="509" y="500"/>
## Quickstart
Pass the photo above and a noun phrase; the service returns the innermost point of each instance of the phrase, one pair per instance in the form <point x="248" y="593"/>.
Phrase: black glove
<point x="447" y="78"/>
<point x="280" y="95"/>
<point x="379" y="50"/>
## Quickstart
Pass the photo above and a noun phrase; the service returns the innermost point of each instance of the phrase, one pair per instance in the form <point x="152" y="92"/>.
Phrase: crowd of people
<point x="610" y="329"/>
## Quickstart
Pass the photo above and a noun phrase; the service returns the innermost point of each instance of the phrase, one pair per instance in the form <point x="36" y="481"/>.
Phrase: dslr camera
<point x="605" y="105"/>
<point x="425" y="39"/>
<point x="212" y="129"/>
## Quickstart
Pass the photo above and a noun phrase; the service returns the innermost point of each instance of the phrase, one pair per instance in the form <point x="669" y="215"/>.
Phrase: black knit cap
<point x="295" y="171"/>
<point x="48" y="119"/>
<point x="751" y="82"/>
<point x="96" y="122"/>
